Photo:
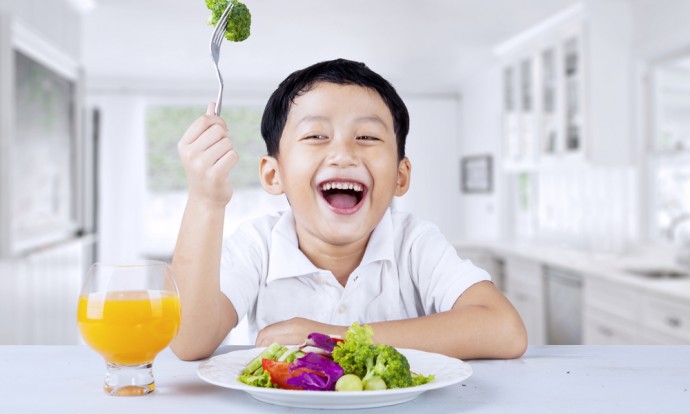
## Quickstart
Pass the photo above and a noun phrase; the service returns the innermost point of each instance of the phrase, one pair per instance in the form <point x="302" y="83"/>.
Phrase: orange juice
<point x="129" y="328"/>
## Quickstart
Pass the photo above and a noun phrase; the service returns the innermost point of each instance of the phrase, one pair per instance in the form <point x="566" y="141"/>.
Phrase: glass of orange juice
<point x="128" y="314"/>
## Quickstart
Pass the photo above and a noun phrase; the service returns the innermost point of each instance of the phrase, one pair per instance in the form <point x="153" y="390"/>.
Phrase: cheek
<point x="296" y="177"/>
<point x="385" y="167"/>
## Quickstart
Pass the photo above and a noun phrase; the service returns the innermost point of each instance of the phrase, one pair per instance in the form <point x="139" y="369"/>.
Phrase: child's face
<point x="338" y="136"/>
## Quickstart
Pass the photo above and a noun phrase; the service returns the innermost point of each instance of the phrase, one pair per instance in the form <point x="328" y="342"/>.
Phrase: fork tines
<point x="221" y="26"/>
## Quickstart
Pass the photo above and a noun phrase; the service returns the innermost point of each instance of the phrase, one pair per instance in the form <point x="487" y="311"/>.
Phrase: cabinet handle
<point x="673" y="321"/>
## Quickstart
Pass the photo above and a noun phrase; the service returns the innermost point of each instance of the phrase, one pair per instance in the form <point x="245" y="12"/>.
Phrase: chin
<point x="341" y="238"/>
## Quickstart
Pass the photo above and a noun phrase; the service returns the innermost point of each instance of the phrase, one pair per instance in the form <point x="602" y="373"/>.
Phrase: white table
<point x="548" y="379"/>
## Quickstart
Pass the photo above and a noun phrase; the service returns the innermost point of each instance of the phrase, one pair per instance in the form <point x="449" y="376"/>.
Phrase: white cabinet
<point x="524" y="287"/>
<point x="611" y="313"/>
<point x="603" y="329"/>
<point x="663" y="316"/>
<point x="566" y="89"/>
<point x="617" y="314"/>
<point x="484" y="259"/>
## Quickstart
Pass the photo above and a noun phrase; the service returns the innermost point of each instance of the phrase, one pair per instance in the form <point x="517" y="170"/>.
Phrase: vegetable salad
<point x="327" y="363"/>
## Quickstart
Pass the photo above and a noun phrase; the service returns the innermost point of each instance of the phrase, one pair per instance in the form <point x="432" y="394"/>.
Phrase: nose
<point x="343" y="152"/>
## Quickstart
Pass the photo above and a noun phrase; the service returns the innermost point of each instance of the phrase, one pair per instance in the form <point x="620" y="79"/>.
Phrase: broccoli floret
<point x="392" y="367"/>
<point x="419" y="379"/>
<point x="356" y="354"/>
<point x="239" y="21"/>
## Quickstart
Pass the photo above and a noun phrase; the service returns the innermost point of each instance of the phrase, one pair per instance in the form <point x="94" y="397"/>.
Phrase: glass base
<point x="129" y="380"/>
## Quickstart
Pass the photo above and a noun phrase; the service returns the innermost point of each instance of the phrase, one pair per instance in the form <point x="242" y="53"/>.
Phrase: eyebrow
<point x="369" y="118"/>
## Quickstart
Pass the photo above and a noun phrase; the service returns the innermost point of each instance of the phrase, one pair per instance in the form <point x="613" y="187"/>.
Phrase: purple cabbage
<point x="322" y="341"/>
<point x="326" y="373"/>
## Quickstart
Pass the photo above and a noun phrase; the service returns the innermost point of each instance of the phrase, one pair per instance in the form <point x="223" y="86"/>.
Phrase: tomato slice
<point x="280" y="373"/>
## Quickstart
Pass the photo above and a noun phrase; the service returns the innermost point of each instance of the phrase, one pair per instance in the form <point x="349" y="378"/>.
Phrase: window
<point x="166" y="183"/>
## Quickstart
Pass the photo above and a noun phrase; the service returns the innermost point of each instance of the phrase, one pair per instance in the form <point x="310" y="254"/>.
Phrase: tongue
<point x="342" y="200"/>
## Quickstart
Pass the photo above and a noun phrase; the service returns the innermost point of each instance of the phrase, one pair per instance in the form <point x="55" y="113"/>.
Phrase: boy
<point x="335" y="134"/>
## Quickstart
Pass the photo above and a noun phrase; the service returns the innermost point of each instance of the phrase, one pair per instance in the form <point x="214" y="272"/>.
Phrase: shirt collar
<point x="381" y="243"/>
<point x="287" y="260"/>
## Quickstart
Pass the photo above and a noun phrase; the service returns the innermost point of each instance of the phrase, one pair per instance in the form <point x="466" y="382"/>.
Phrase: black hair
<point x="338" y="71"/>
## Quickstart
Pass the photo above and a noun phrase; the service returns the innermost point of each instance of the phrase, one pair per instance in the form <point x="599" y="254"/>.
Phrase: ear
<point x="403" y="182"/>
<point x="270" y="175"/>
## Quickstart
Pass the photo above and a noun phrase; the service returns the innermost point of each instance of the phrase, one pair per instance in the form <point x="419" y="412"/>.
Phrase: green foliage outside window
<point x="164" y="128"/>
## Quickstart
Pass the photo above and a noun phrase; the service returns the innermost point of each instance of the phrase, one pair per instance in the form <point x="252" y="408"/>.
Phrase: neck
<point x="341" y="260"/>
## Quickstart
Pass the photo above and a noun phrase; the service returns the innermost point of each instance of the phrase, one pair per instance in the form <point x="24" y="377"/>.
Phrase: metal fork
<point x="216" y="42"/>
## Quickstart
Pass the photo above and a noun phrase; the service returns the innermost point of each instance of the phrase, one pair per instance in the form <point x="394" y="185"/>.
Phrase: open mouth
<point x="343" y="196"/>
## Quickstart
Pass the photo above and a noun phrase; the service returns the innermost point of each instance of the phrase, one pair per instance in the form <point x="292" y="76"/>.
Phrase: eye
<point x="367" y="138"/>
<point x="316" y="137"/>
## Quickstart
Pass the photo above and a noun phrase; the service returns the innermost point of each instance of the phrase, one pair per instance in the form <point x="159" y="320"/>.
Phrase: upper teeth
<point x="342" y="186"/>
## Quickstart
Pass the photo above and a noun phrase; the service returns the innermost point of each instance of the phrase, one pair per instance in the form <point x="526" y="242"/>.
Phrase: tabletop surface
<point x="547" y="379"/>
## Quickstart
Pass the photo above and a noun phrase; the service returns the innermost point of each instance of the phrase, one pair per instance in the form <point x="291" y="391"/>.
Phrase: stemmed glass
<point x="128" y="314"/>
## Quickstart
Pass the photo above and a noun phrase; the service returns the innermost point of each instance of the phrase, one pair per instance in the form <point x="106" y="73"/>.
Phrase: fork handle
<point x="219" y="100"/>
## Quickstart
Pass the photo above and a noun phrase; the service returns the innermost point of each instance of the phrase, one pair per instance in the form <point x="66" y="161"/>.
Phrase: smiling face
<point x="338" y="164"/>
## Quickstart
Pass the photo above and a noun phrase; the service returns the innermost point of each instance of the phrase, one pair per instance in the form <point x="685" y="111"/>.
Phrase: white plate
<point x="223" y="370"/>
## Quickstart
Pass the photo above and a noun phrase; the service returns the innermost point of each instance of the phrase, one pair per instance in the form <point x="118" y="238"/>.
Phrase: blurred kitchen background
<point x="550" y="142"/>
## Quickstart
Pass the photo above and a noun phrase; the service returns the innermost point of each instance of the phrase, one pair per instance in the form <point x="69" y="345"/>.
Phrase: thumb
<point x="211" y="109"/>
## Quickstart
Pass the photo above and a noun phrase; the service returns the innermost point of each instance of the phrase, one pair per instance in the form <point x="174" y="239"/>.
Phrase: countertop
<point x="547" y="379"/>
<point x="611" y="267"/>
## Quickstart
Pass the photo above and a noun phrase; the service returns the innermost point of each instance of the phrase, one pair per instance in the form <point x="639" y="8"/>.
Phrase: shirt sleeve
<point x="437" y="271"/>
<point x="241" y="268"/>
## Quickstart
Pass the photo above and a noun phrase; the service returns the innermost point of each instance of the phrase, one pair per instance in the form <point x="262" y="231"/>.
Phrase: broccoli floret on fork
<point x="239" y="21"/>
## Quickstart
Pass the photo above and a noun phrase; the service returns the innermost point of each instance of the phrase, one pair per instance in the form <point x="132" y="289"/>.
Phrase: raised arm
<point x="207" y="314"/>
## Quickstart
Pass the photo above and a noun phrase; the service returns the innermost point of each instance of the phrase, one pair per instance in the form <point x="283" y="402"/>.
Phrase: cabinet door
<point x="549" y="93"/>
<point x="528" y="306"/>
<point x="511" y="132"/>
<point x="604" y="329"/>
<point x="667" y="317"/>
<point x="572" y="78"/>
<point x="525" y="289"/>
<point x="614" y="299"/>
<point x="520" y="128"/>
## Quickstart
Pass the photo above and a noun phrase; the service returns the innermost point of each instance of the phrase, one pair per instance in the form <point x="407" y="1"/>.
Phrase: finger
<point x="209" y="138"/>
<point x="211" y="113"/>
<point x="195" y="130"/>
<point x="212" y="154"/>
<point x="201" y="124"/>
<point x="227" y="161"/>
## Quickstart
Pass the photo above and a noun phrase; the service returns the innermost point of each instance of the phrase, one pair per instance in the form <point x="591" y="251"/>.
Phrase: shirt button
<point x="342" y="309"/>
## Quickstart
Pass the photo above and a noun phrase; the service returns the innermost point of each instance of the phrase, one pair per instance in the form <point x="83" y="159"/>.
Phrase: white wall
<point x="432" y="147"/>
<point x="121" y="173"/>
<point x="56" y="20"/>
<point x="660" y="27"/>
<point x="480" y="134"/>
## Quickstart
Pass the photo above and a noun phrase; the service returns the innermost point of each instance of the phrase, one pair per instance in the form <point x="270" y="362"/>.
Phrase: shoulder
<point x="257" y="231"/>
<point x="409" y="229"/>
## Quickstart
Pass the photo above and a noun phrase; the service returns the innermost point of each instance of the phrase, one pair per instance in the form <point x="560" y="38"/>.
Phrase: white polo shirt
<point x="408" y="270"/>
